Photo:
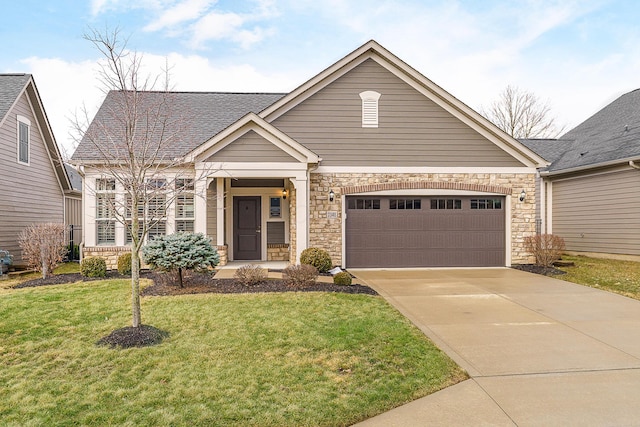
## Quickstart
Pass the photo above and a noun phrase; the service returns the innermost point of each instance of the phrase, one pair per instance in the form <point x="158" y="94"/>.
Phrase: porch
<point x="253" y="219"/>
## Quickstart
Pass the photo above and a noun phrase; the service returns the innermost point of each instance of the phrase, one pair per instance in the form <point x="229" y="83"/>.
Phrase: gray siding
<point x="599" y="213"/>
<point x="413" y="130"/>
<point x="73" y="211"/>
<point x="28" y="194"/>
<point x="251" y="147"/>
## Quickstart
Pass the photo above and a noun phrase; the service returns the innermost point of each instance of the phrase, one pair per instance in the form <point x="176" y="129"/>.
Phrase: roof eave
<point x="591" y="166"/>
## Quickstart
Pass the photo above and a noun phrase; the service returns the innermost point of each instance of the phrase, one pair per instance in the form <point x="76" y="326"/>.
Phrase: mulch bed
<point x="545" y="271"/>
<point x="142" y="336"/>
<point x="165" y="284"/>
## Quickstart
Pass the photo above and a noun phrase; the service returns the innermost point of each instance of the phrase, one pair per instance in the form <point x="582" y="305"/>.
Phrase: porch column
<point x="220" y="211"/>
<point x="302" y="215"/>
<point x="200" y="222"/>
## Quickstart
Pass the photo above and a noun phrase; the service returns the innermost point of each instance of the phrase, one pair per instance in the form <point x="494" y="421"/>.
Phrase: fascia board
<point x="621" y="162"/>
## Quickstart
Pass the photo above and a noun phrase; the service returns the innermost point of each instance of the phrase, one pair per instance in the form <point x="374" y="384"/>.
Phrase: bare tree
<point x="43" y="246"/>
<point x="131" y="143"/>
<point x="522" y="114"/>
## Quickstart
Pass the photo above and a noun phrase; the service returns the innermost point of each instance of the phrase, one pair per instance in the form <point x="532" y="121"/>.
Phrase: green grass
<point x="622" y="277"/>
<point x="11" y="280"/>
<point x="294" y="359"/>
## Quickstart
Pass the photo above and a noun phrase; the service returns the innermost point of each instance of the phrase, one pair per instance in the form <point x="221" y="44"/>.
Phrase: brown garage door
<point x="442" y="231"/>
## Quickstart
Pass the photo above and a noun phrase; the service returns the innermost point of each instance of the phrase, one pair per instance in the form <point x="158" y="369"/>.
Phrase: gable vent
<point x="369" y="108"/>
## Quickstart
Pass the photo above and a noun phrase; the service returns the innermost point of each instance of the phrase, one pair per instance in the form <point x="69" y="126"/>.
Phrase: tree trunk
<point x="135" y="287"/>
<point x="180" y="277"/>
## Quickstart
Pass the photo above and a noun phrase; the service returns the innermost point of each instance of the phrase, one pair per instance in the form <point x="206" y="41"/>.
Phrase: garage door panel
<point x="425" y="237"/>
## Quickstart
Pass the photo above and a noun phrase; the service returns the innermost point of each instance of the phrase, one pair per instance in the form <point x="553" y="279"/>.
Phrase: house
<point x="34" y="185"/>
<point x="368" y="159"/>
<point x="589" y="192"/>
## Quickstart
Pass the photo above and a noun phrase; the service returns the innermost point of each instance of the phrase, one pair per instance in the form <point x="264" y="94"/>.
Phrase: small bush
<point x="93" y="267"/>
<point x="319" y="258"/>
<point x="546" y="248"/>
<point x="181" y="251"/>
<point x="342" y="278"/>
<point x="43" y="247"/>
<point x="124" y="264"/>
<point x="300" y="275"/>
<point x="250" y="275"/>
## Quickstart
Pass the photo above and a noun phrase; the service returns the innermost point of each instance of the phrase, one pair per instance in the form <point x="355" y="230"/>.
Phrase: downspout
<point x="634" y="165"/>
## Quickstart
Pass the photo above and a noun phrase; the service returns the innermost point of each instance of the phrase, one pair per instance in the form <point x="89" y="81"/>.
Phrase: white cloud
<point x="179" y="13"/>
<point x="101" y="6"/>
<point x="201" y="21"/>
<point x="65" y="87"/>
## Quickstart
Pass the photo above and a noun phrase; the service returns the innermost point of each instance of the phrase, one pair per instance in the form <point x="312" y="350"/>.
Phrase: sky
<point x="575" y="55"/>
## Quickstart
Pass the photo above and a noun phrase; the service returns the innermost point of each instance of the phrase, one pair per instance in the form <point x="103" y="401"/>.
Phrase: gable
<point x="29" y="193"/>
<point x="413" y="130"/>
<point x="251" y="147"/>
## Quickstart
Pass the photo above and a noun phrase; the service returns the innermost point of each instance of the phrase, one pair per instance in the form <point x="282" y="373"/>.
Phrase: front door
<point x="246" y="228"/>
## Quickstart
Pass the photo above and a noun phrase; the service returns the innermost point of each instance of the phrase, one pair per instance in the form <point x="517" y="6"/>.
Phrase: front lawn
<point x="622" y="277"/>
<point x="281" y="359"/>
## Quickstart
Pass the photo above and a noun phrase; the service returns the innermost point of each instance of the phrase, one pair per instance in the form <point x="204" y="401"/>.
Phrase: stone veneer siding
<point x="277" y="252"/>
<point x="223" y="253"/>
<point x="326" y="233"/>
<point x="111" y="254"/>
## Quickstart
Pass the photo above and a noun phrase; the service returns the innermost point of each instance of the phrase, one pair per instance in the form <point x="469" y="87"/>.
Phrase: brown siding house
<point x="590" y="192"/>
<point x="368" y="159"/>
<point x="33" y="180"/>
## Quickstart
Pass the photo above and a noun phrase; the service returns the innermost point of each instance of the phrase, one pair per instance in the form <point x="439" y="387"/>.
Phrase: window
<point x="405" y="204"/>
<point x="157" y="229"/>
<point x="364" y="204"/>
<point x="369" y="108"/>
<point x="153" y="212"/>
<point x="105" y="211"/>
<point x="446" y="204"/>
<point x="185" y="205"/>
<point x="486" y="204"/>
<point x="155" y="216"/>
<point x="24" y="131"/>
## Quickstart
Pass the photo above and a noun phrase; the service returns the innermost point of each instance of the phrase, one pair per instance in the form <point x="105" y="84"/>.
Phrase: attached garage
<point x="425" y="231"/>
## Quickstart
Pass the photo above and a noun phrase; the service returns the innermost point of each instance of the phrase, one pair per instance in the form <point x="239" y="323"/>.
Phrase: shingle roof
<point x="612" y="133"/>
<point x="10" y="87"/>
<point x="74" y="177"/>
<point x="205" y="113"/>
<point x="549" y="149"/>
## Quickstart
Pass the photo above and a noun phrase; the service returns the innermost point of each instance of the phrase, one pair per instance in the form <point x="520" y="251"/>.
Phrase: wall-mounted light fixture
<point x="284" y="193"/>
<point x="523" y="194"/>
<point x="332" y="195"/>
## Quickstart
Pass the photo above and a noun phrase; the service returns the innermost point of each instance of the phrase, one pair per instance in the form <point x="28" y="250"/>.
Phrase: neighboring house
<point x="33" y="182"/>
<point x="73" y="209"/>
<point x="369" y="160"/>
<point x="590" y="192"/>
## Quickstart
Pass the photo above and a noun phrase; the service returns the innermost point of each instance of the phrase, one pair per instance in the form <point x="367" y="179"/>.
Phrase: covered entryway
<point x="425" y="231"/>
<point x="247" y="228"/>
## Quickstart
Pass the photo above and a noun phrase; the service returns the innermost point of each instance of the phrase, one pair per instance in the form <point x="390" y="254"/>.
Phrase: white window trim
<point x="25" y="121"/>
<point x="370" y="108"/>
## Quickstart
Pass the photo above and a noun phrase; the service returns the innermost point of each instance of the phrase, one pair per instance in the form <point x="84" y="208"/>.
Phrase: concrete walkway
<point x="540" y="351"/>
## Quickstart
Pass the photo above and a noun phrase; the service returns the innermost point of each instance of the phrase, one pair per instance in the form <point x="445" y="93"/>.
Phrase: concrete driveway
<point x="539" y="351"/>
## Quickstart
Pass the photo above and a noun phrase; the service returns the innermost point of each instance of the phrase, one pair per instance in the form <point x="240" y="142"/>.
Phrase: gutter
<point x="631" y="161"/>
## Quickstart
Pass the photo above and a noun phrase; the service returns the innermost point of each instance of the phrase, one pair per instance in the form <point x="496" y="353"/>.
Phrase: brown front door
<point x="246" y="228"/>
